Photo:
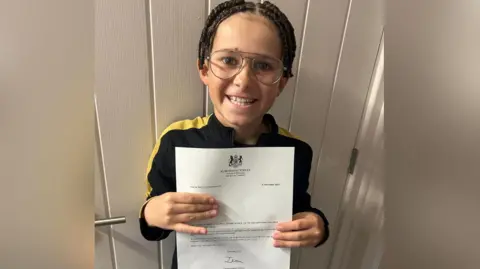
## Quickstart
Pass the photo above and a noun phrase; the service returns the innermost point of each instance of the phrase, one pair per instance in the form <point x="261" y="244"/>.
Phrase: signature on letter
<point x="230" y="259"/>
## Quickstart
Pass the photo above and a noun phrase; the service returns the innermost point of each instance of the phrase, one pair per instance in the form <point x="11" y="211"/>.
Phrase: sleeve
<point x="301" y="197"/>
<point x="160" y="180"/>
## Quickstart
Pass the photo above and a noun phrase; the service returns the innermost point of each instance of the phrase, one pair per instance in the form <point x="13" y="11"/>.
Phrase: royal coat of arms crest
<point x="235" y="161"/>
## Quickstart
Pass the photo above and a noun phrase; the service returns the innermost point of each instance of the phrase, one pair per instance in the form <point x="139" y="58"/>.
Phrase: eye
<point x="228" y="60"/>
<point x="262" y="66"/>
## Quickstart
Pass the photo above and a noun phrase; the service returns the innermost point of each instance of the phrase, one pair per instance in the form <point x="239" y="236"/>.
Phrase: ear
<point x="281" y="85"/>
<point x="202" y="72"/>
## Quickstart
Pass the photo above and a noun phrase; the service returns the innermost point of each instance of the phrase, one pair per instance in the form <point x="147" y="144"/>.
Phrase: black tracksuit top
<point x="208" y="132"/>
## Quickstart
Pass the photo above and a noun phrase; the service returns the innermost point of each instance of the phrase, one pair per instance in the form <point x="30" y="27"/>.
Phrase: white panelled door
<point x="146" y="78"/>
<point x="125" y="132"/>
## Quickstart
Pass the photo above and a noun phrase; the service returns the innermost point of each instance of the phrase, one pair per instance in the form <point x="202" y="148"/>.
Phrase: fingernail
<point x="212" y="201"/>
<point x="215" y="206"/>
<point x="213" y="212"/>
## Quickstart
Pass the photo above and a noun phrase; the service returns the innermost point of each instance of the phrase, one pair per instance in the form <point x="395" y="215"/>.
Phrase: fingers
<point x="301" y="232"/>
<point x="292" y="244"/>
<point x="187" y="217"/>
<point x="191" y="198"/>
<point x="190" y="208"/>
<point x="295" y="225"/>
<point x="295" y="239"/>
<point x="185" y="228"/>
<point x="293" y="236"/>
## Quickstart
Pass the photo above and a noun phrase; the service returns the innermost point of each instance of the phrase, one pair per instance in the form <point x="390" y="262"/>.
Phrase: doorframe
<point x="344" y="234"/>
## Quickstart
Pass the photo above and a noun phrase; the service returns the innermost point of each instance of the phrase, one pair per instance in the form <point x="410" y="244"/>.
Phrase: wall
<point x="433" y="131"/>
<point x="46" y="134"/>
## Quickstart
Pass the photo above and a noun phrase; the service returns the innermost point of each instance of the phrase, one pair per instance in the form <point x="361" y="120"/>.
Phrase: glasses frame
<point x="242" y="65"/>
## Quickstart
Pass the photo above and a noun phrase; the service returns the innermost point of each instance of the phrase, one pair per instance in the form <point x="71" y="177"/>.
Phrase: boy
<point x="240" y="52"/>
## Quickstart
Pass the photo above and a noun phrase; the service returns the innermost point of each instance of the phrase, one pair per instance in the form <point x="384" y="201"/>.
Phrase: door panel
<point x="360" y="220"/>
<point x="358" y="56"/>
<point x="176" y="28"/>
<point x="319" y="57"/>
<point x="124" y="113"/>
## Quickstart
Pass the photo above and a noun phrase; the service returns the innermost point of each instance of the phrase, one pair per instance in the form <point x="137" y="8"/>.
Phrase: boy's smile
<point x="241" y="101"/>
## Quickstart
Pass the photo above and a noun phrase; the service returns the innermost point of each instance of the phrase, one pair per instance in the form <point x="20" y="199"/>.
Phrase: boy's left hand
<point x="305" y="230"/>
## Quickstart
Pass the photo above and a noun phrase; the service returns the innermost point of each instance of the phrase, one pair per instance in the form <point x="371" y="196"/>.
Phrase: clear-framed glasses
<point x="226" y="64"/>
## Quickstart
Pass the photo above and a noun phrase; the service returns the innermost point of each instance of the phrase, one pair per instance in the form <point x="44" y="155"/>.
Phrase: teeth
<point x="240" y="101"/>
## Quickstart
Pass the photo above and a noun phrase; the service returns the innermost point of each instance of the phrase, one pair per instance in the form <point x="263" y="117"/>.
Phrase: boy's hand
<point x="306" y="230"/>
<point x="173" y="210"/>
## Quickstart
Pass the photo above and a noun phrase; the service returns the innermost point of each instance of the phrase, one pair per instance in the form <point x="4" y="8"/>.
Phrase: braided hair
<point x="265" y="9"/>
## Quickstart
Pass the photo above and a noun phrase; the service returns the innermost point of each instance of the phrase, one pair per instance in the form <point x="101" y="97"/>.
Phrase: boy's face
<point x="241" y="101"/>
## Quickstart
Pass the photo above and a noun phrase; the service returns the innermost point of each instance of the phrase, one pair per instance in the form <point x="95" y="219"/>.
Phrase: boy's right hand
<point x="173" y="210"/>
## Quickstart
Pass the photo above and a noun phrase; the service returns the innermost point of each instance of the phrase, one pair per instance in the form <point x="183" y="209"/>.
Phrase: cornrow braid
<point x="266" y="9"/>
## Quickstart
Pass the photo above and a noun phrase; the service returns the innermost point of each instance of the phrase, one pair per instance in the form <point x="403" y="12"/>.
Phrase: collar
<point x="226" y="135"/>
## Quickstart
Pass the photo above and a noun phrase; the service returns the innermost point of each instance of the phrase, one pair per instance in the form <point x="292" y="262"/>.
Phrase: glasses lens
<point x="268" y="70"/>
<point x="225" y="64"/>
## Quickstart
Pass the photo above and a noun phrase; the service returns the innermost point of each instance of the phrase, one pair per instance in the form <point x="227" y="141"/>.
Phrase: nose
<point x="242" y="79"/>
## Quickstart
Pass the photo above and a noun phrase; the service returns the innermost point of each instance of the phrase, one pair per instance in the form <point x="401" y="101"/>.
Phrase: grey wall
<point x="46" y="134"/>
<point x="432" y="96"/>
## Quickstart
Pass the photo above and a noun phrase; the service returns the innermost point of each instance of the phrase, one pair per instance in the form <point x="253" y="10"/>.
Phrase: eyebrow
<point x="254" y="53"/>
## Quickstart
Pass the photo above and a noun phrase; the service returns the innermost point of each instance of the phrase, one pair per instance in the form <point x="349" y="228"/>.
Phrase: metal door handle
<point x="110" y="221"/>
